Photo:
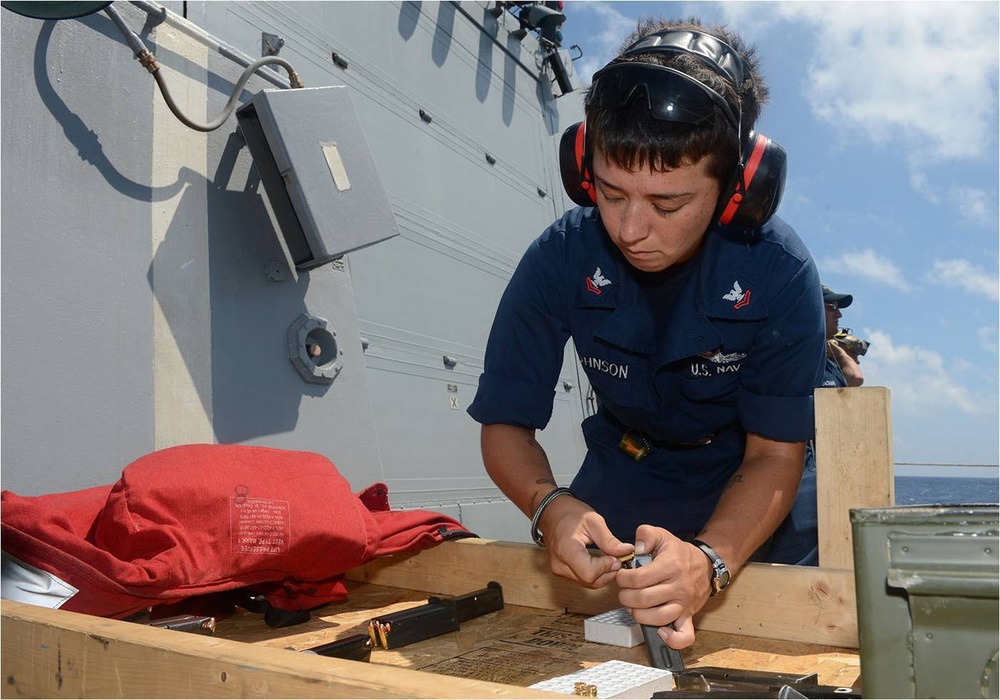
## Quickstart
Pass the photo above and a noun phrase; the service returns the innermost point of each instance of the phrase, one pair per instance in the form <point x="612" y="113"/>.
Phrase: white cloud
<point x="989" y="339"/>
<point x="966" y="276"/>
<point x="918" y="380"/>
<point x="975" y="205"/>
<point x="921" y="76"/>
<point x="603" y="46"/>
<point x="867" y="264"/>
<point x="920" y="72"/>
<point x="920" y="183"/>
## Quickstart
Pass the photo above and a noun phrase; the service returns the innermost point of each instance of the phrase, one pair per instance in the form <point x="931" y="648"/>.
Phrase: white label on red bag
<point x="260" y="525"/>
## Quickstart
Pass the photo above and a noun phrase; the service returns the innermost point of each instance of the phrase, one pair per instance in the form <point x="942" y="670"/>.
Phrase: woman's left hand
<point x="669" y="591"/>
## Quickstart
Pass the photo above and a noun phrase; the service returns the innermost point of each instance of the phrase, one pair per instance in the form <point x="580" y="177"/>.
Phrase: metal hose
<point x="149" y="62"/>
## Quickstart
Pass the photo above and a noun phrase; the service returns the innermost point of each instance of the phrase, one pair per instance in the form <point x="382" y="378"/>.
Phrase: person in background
<point x="696" y="316"/>
<point x="842" y="367"/>
<point x="796" y="541"/>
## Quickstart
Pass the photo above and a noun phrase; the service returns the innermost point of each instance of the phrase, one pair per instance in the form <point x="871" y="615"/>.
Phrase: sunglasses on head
<point x="669" y="94"/>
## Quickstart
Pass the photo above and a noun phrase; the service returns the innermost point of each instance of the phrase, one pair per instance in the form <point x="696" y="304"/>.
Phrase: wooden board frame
<point x="54" y="653"/>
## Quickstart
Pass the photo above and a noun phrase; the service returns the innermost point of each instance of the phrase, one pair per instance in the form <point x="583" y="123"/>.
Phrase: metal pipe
<point x="131" y="38"/>
<point x="149" y="62"/>
<point x="160" y="12"/>
<point x="477" y="23"/>
<point x="194" y="31"/>
<point x="231" y="104"/>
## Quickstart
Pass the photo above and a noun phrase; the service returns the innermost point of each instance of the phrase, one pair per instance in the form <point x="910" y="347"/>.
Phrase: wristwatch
<point x="720" y="572"/>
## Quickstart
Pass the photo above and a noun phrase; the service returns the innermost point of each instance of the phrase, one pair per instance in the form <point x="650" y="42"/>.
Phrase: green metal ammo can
<point x="927" y="592"/>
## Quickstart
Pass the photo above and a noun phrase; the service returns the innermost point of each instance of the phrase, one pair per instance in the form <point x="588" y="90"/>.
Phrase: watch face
<point x="720" y="572"/>
<point x="721" y="577"/>
<point x="721" y="581"/>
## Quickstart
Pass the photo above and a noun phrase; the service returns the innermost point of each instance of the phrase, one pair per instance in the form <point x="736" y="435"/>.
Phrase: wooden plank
<point x="833" y="665"/>
<point x="853" y="464"/>
<point x="453" y="567"/>
<point x="54" y="653"/>
<point x="804" y="604"/>
<point x="794" y="603"/>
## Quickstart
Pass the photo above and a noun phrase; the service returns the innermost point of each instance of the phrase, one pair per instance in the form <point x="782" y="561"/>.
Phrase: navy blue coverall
<point x="685" y="361"/>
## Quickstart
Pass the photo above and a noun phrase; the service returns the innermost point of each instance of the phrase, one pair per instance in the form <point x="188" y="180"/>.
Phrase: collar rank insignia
<point x="596" y="281"/>
<point x="738" y="295"/>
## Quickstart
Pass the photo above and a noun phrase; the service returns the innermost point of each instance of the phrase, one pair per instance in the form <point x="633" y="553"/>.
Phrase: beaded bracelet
<point x="549" y="497"/>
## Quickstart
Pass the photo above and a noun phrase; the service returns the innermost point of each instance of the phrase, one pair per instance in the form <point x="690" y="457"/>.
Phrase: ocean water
<point x="945" y="490"/>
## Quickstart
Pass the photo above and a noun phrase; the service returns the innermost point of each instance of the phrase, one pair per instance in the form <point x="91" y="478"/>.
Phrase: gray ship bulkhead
<point x="147" y="300"/>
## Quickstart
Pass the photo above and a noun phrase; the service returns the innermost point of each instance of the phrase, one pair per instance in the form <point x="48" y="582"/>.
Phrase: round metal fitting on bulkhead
<point x="313" y="349"/>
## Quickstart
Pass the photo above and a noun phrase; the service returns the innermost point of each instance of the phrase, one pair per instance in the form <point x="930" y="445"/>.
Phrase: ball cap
<point x="841" y="300"/>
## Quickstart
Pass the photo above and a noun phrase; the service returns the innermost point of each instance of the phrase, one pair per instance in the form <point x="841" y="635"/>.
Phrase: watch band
<point x="720" y="572"/>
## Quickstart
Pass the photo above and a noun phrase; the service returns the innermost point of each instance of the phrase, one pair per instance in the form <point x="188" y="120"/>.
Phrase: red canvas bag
<point x="198" y="519"/>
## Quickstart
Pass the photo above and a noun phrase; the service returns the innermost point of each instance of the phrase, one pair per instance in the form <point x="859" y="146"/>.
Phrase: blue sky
<point x="889" y="114"/>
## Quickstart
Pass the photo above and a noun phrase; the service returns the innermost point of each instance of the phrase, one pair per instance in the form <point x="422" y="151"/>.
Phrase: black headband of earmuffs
<point x="717" y="54"/>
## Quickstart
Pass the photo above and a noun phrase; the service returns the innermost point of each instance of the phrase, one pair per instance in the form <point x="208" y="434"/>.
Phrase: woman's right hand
<point x="570" y="527"/>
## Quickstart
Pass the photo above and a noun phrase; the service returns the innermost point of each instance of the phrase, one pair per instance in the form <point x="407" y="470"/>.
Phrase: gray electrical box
<point x="310" y="151"/>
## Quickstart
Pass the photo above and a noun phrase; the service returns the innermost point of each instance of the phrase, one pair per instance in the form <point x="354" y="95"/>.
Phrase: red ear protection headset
<point x="671" y="95"/>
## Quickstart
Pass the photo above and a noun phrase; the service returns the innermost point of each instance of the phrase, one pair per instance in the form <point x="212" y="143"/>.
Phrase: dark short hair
<point x="631" y="138"/>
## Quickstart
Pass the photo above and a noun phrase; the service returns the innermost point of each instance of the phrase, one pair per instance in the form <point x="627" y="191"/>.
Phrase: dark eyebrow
<point x="604" y="183"/>
<point x="667" y="197"/>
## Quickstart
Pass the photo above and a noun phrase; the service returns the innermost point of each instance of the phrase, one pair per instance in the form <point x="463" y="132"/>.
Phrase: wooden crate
<point x="773" y="617"/>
